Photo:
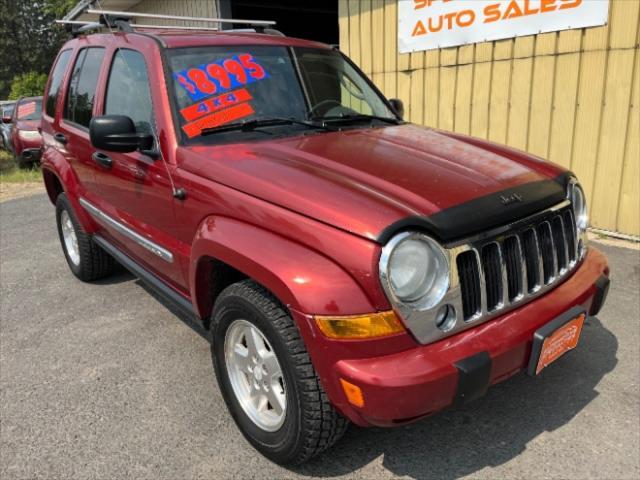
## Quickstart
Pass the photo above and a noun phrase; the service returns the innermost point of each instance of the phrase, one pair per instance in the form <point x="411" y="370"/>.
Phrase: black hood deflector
<point x="485" y="213"/>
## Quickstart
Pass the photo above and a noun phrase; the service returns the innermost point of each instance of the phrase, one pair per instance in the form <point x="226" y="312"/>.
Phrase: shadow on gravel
<point x="189" y="320"/>
<point x="121" y="275"/>
<point x="489" y="432"/>
<point x="462" y="441"/>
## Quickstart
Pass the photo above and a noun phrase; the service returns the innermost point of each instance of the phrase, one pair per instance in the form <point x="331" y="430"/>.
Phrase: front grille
<point x="492" y="267"/>
<point x="469" y="282"/>
<point x="498" y="272"/>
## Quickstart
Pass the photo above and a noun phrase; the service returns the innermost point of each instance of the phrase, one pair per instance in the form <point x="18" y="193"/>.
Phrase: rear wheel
<point x="86" y="260"/>
<point x="267" y="379"/>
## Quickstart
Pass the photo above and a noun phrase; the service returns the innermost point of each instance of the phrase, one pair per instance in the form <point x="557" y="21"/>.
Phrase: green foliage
<point x="10" y="173"/>
<point x="29" y="84"/>
<point x="59" y="8"/>
<point x="29" y="39"/>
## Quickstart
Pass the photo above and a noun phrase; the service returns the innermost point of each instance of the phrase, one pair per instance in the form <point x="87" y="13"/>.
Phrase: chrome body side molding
<point x="102" y="217"/>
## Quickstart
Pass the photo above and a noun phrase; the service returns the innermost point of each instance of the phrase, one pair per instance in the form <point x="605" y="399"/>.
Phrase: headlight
<point x="415" y="269"/>
<point x="29" y="134"/>
<point x="579" y="202"/>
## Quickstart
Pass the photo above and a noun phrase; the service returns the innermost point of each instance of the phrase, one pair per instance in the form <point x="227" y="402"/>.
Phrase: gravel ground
<point x="105" y="381"/>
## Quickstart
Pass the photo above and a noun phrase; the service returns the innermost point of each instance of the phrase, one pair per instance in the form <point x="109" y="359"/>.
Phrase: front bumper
<point x="402" y="387"/>
<point x="31" y="154"/>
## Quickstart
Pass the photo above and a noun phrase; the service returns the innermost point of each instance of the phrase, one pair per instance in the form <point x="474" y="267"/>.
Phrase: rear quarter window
<point x="56" y="82"/>
<point x="82" y="86"/>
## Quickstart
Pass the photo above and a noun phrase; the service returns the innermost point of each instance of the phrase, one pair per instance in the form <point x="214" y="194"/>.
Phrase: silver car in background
<point x="6" y="109"/>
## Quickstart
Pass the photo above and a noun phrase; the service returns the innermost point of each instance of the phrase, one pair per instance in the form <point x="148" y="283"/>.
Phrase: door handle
<point x="59" y="137"/>
<point x="103" y="159"/>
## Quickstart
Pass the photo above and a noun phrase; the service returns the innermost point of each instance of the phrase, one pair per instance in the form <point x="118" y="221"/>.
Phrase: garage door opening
<point x="309" y="20"/>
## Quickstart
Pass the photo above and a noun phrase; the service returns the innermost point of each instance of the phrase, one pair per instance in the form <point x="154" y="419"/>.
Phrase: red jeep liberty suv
<point x="350" y="266"/>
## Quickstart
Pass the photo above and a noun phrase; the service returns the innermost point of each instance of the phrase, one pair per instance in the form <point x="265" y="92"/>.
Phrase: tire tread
<point x="322" y="424"/>
<point x="95" y="263"/>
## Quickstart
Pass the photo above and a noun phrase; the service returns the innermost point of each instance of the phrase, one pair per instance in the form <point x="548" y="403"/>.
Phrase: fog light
<point x="446" y="318"/>
<point x="353" y="393"/>
<point x="371" y="325"/>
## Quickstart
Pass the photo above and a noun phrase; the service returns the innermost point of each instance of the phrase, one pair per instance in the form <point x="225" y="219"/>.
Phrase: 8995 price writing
<point x="220" y="76"/>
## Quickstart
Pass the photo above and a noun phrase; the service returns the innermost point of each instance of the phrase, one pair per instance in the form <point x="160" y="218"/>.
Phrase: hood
<point x="27" y="124"/>
<point x="373" y="182"/>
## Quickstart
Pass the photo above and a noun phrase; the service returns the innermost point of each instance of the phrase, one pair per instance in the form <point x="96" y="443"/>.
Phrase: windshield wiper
<point x="256" y="123"/>
<point x="360" y="117"/>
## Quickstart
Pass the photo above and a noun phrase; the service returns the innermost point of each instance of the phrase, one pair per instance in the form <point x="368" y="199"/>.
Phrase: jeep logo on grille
<point x="509" y="199"/>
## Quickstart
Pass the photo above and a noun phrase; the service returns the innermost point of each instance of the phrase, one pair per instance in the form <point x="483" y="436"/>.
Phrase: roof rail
<point x="128" y="15"/>
<point x="83" y="27"/>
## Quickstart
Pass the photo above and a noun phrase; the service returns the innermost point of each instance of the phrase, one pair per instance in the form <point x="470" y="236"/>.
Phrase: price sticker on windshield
<point x="220" y="76"/>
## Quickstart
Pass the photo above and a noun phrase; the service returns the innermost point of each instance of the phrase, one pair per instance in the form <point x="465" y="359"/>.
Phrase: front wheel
<point x="267" y="379"/>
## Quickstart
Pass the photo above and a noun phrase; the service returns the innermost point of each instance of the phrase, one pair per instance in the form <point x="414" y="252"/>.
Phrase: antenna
<point x="122" y="21"/>
<point x="178" y="193"/>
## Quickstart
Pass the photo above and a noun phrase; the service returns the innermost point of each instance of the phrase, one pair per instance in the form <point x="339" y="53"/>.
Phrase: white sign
<point x="431" y="24"/>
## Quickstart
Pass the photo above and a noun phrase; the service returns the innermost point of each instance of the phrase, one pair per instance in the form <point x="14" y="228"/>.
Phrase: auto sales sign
<point x="431" y="24"/>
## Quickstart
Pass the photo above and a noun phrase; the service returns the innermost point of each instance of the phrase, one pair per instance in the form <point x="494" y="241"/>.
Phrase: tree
<point x="28" y="85"/>
<point x="29" y="38"/>
<point x="59" y="8"/>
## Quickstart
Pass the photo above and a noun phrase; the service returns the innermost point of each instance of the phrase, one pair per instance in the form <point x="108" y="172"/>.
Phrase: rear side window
<point x="128" y="90"/>
<point x="56" y="82"/>
<point x="82" y="87"/>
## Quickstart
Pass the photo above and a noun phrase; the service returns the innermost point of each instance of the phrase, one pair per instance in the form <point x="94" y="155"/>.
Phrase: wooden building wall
<point x="571" y="97"/>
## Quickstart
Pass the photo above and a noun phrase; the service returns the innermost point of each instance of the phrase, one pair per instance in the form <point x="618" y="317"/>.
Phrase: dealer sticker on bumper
<point x="555" y="339"/>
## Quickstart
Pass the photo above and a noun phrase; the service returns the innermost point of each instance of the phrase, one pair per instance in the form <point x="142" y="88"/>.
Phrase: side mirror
<point x="398" y="106"/>
<point x="6" y="119"/>
<point x="117" y="133"/>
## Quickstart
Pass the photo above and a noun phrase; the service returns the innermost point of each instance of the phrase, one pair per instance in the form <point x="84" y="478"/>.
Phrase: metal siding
<point x="186" y="8"/>
<point x="569" y="96"/>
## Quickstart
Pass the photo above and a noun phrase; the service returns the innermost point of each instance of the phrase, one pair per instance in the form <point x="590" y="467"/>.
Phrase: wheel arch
<point x="52" y="184"/>
<point x="59" y="178"/>
<point x="298" y="276"/>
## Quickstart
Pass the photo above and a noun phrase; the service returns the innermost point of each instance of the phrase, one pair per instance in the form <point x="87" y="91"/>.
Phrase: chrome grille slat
<point x="523" y="270"/>
<point x="539" y="260"/>
<point x="503" y="276"/>
<point x="563" y="241"/>
<point x="483" y="284"/>
<point x="517" y="265"/>
<point x="570" y="228"/>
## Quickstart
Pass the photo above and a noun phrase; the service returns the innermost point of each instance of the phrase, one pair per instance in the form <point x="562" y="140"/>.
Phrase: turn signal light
<point x="372" y="325"/>
<point x="353" y="393"/>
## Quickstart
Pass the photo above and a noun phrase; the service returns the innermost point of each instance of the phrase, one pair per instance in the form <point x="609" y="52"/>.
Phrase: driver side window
<point x="128" y="90"/>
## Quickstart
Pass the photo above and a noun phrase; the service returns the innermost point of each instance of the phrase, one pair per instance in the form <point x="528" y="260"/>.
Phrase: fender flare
<point x="300" y="277"/>
<point x="53" y="165"/>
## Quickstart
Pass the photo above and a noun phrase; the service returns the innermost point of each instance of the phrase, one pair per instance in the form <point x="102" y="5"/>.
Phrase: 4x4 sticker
<point x="220" y="76"/>
<point x="233" y="107"/>
<point x="197" y="110"/>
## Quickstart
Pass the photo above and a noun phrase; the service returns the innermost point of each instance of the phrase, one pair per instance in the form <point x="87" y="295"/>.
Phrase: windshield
<point x="30" y="109"/>
<point x="227" y="86"/>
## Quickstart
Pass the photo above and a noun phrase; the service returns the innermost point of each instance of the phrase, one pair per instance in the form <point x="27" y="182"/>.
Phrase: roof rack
<point x="87" y="26"/>
<point x="122" y="21"/>
<point x="128" y="15"/>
